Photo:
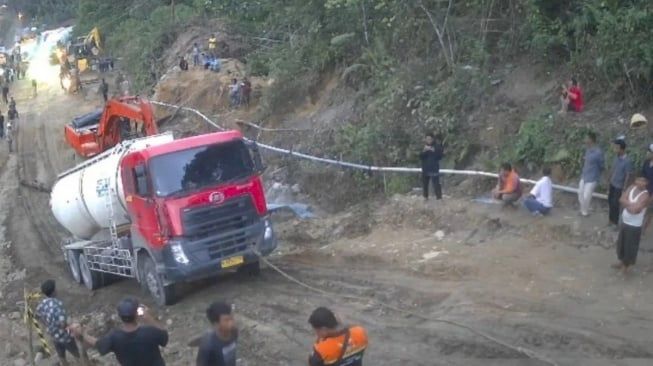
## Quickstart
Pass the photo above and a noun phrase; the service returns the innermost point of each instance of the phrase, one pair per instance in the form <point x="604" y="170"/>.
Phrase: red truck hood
<point x="214" y="195"/>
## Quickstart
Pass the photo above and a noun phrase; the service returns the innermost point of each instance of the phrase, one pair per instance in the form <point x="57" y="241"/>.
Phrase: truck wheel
<point x="91" y="279"/>
<point x="73" y="264"/>
<point x="251" y="269"/>
<point x="163" y="295"/>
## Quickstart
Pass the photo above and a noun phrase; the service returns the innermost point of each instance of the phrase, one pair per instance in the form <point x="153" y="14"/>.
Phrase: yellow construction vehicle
<point x="84" y="51"/>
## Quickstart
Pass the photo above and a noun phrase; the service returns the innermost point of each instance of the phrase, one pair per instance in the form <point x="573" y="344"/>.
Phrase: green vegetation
<point x="411" y="66"/>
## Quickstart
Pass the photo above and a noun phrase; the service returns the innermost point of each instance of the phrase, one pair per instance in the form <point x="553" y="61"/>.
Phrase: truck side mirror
<point x="259" y="167"/>
<point x="142" y="188"/>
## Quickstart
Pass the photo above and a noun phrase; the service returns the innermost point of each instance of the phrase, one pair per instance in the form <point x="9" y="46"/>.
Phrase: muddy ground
<point x="540" y="284"/>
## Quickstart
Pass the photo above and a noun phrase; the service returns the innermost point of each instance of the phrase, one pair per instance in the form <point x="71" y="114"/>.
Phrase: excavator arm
<point x="122" y="118"/>
<point x="117" y="118"/>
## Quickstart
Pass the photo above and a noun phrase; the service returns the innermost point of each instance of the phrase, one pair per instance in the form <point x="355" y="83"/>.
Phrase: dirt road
<point x="543" y="285"/>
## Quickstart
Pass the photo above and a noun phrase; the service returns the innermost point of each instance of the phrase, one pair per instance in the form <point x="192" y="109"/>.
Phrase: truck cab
<point x="197" y="208"/>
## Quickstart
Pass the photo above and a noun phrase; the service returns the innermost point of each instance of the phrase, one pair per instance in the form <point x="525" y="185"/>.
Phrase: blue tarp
<point x="301" y="210"/>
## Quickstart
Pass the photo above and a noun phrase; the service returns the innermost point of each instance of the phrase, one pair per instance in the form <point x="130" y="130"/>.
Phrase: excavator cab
<point x="121" y="119"/>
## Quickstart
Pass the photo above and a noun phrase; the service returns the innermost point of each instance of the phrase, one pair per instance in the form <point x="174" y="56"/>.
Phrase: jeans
<point x="534" y="205"/>
<point x="434" y="178"/>
<point x="613" y="200"/>
<point x="196" y="60"/>
<point x="585" y="191"/>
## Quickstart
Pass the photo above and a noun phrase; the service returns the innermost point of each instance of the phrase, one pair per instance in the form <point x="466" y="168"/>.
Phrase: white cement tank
<point x="79" y="199"/>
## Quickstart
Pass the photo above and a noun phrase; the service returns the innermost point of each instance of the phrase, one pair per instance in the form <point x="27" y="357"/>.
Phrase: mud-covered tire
<point x="72" y="257"/>
<point x="91" y="279"/>
<point x="153" y="284"/>
<point x="251" y="269"/>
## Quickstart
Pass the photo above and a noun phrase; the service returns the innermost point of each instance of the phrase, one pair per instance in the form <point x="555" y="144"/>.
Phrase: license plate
<point x="233" y="261"/>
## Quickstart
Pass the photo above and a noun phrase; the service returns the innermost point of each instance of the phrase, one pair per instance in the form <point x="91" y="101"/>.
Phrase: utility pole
<point x="172" y="6"/>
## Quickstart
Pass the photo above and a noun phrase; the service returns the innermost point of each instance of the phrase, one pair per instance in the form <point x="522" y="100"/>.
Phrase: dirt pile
<point x="208" y="92"/>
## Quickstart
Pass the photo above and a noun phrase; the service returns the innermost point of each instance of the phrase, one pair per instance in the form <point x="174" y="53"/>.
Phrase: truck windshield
<point x="193" y="169"/>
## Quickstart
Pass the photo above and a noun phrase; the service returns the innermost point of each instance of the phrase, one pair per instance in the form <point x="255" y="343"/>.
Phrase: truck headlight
<point x="267" y="235"/>
<point x="178" y="253"/>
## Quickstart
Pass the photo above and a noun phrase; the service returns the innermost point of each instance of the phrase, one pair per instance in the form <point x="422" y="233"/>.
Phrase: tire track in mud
<point x="32" y="227"/>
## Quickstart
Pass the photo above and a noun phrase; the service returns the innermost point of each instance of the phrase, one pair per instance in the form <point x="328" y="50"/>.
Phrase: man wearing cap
<point x="133" y="344"/>
<point x="621" y="170"/>
<point x="647" y="172"/>
<point x="593" y="165"/>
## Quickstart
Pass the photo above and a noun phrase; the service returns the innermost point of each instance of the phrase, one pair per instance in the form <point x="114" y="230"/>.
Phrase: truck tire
<point x="251" y="269"/>
<point x="92" y="280"/>
<point x="152" y="282"/>
<point x="72" y="257"/>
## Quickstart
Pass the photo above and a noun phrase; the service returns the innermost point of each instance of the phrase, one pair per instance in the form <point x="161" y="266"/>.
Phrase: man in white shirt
<point x="540" y="201"/>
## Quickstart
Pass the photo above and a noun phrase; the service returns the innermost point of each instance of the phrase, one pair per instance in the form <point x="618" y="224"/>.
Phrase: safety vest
<point x="213" y="43"/>
<point x="346" y="348"/>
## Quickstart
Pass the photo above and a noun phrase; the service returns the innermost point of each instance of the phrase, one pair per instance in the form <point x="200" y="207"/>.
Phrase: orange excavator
<point x="121" y="119"/>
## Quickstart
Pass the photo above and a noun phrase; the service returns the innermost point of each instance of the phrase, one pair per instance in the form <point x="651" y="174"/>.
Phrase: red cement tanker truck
<point x="165" y="211"/>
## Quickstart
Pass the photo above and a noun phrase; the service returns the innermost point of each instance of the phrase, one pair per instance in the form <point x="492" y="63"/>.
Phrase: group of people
<point x="139" y="339"/>
<point x="629" y="195"/>
<point x="208" y="59"/>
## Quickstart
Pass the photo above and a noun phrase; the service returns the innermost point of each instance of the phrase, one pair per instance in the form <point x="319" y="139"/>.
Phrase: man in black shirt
<point x="218" y="346"/>
<point x="430" y="156"/>
<point x="133" y="344"/>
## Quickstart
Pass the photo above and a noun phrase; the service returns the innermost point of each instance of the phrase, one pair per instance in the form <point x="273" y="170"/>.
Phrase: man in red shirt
<point x="572" y="97"/>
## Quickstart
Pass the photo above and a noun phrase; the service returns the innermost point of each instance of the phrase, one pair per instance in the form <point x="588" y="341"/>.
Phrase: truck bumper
<point x="211" y="256"/>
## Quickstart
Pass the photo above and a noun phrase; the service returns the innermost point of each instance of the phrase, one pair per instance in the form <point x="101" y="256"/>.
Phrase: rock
<point x="38" y="357"/>
<point x="14" y="315"/>
<point x="20" y="362"/>
<point x="169" y="322"/>
<point x="439" y="234"/>
<point x="295" y="188"/>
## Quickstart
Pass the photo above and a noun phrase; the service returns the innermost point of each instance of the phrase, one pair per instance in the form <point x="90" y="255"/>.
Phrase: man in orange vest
<point x="336" y="345"/>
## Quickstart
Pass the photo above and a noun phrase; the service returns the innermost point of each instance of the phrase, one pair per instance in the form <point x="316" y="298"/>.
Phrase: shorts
<point x="71" y="347"/>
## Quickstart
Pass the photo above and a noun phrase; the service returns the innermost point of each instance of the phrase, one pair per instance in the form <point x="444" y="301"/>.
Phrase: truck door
<point x="141" y="203"/>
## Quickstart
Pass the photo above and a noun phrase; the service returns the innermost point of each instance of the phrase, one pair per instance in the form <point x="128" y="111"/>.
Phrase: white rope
<point x="368" y="167"/>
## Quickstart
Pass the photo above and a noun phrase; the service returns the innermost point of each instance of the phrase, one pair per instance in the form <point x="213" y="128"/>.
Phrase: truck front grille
<point x="227" y="221"/>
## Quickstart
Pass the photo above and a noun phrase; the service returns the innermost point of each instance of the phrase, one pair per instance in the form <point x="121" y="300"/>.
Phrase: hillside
<point x="371" y="77"/>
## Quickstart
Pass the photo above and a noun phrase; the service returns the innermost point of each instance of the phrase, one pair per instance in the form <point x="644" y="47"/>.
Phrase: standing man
<point x="218" y="346"/>
<point x="234" y="93"/>
<point x="593" y="166"/>
<point x="104" y="89"/>
<point x="336" y="345"/>
<point x="540" y="201"/>
<point x="246" y="91"/>
<point x="2" y="126"/>
<point x="134" y="344"/>
<point x="5" y="93"/>
<point x="634" y="201"/>
<point x="34" y="85"/>
<point x="430" y="156"/>
<point x="621" y="170"/>
<point x="213" y="45"/>
<point x="196" y="54"/>
<point x="53" y="315"/>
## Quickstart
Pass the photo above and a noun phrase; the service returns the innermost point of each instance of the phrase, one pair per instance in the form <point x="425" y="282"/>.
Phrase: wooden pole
<point x="173" y="10"/>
